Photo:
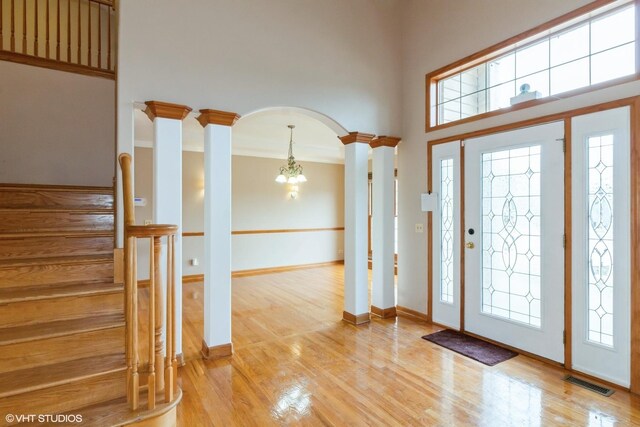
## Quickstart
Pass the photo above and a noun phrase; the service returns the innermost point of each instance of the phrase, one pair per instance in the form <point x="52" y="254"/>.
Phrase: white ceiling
<point x="261" y="134"/>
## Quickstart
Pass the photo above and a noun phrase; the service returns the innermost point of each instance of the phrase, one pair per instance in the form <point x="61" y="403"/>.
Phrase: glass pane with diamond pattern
<point x="600" y="239"/>
<point x="511" y="234"/>
<point x="446" y="230"/>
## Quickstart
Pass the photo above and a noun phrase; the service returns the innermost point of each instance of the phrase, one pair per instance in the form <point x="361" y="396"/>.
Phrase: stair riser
<point x="32" y="275"/>
<point x="40" y="247"/>
<point x="49" y="310"/>
<point x="67" y="397"/>
<point x="59" y="221"/>
<point x="17" y="198"/>
<point x="60" y="349"/>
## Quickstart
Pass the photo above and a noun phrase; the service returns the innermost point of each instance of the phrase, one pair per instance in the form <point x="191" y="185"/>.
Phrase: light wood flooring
<point x="297" y="363"/>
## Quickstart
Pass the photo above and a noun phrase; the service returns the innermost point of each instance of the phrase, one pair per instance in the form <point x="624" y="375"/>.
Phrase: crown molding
<point x="385" y="141"/>
<point x="165" y="110"/>
<point x="217" y="117"/>
<point x="356" y="137"/>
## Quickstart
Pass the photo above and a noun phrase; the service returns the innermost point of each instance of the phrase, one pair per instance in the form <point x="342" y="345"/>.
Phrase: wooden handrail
<point x="161" y="373"/>
<point x="46" y="23"/>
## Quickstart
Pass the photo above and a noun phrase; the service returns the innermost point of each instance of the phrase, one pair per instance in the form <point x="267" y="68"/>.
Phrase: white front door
<point x="514" y="255"/>
<point x="446" y="296"/>
<point x="601" y="245"/>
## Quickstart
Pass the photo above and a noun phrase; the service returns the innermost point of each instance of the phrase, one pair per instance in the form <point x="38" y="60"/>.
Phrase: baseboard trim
<point x="180" y="360"/>
<point x="385" y="313"/>
<point x="356" y="319"/>
<point x="217" y="351"/>
<point x="411" y="314"/>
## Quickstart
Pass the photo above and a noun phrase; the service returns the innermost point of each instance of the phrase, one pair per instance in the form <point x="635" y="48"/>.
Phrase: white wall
<point x="259" y="203"/>
<point x="55" y="127"/>
<point x="469" y="26"/>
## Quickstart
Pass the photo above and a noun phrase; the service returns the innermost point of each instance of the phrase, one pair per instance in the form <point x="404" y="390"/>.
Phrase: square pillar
<point x="167" y="194"/>
<point x="383" y="301"/>
<point x="217" y="232"/>
<point x="356" y="274"/>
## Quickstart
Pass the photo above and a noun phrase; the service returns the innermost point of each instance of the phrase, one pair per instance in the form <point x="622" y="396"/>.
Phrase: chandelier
<point x="292" y="172"/>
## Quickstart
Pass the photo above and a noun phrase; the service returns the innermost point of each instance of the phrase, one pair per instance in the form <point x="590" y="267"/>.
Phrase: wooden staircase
<point x="62" y="322"/>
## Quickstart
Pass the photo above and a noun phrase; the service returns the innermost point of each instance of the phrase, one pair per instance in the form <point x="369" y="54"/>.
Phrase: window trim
<point x="524" y="38"/>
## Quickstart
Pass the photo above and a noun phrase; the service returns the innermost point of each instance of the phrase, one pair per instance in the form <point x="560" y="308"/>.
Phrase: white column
<point x="383" y="301"/>
<point x="167" y="189"/>
<point x="356" y="278"/>
<point x="217" y="232"/>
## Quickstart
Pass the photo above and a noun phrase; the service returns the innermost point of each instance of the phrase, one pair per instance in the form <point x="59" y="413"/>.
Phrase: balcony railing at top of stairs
<point x="71" y="35"/>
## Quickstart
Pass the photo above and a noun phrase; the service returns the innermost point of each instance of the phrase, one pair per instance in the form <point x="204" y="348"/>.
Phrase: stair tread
<point x="57" y="209"/>
<point x="59" y="328"/>
<point x="55" y="233"/>
<point x="70" y="259"/>
<point x="30" y="379"/>
<point x="62" y="188"/>
<point x="34" y="293"/>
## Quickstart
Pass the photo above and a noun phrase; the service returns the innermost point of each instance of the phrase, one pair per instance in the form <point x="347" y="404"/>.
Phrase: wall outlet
<point x="148" y="222"/>
<point x="419" y="228"/>
<point x="194" y="262"/>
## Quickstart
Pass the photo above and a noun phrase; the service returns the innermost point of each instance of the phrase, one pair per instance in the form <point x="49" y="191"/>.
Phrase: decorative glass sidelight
<point x="511" y="234"/>
<point x="446" y="230"/>
<point x="600" y="239"/>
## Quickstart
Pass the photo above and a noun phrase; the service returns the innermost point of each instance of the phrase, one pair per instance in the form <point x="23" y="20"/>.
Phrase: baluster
<point x="47" y="29"/>
<point x="79" y="32"/>
<point x="35" y="40"/>
<point x="13" y="25"/>
<point x="89" y="33"/>
<point x="99" y="35"/>
<point x="58" y="23"/>
<point x="158" y="321"/>
<point x="24" y="27"/>
<point x="151" y="381"/>
<point x="1" y="38"/>
<point x="68" y="29"/>
<point x="169" y="378"/>
<point x="134" y="324"/>
<point x="109" y="39"/>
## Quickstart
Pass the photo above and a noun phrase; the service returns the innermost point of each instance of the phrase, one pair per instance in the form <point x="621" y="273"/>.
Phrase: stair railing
<point x="73" y="35"/>
<point x="161" y="366"/>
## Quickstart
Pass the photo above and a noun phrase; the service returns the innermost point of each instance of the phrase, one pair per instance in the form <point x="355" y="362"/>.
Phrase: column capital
<point x="217" y="117"/>
<point x="352" y="137"/>
<point x="166" y="110"/>
<point x="384" y="141"/>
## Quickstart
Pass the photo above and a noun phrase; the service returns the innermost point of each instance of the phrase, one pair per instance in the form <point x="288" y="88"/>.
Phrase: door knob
<point x="470" y="245"/>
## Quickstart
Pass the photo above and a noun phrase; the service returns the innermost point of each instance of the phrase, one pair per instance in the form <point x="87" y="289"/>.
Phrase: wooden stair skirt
<point x="62" y="325"/>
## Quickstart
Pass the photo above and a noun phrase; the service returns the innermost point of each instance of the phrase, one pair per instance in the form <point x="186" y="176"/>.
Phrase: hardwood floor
<point x="296" y="362"/>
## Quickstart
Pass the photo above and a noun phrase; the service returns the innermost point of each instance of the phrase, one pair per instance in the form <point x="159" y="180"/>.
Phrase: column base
<point x="217" y="351"/>
<point x="385" y="313"/>
<point x="356" y="319"/>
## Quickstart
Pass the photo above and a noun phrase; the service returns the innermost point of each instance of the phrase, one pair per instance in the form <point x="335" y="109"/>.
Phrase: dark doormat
<point x="482" y="351"/>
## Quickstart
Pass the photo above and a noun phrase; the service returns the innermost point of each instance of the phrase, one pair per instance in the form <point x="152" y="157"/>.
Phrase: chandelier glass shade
<point x="292" y="172"/>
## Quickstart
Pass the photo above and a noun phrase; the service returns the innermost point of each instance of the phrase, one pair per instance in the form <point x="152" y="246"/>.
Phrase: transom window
<point x="597" y="47"/>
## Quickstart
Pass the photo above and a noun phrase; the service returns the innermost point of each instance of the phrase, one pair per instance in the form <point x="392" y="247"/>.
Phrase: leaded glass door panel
<point x="446" y="296"/>
<point x="601" y="245"/>
<point x="514" y="220"/>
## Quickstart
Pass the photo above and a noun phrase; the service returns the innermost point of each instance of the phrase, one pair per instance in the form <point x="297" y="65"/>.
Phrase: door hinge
<point x="564" y="241"/>
<point x="564" y="337"/>
<point x="564" y="144"/>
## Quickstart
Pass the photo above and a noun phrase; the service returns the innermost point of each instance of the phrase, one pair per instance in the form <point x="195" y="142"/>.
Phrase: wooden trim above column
<point x="217" y="117"/>
<point x="384" y="141"/>
<point x="165" y="110"/>
<point x="364" y="138"/>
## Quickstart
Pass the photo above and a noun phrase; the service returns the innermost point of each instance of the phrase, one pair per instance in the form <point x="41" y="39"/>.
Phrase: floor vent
<point x="589" y="386"/>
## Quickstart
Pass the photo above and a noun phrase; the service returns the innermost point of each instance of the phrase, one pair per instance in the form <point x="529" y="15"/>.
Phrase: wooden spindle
<point x="13" y="25"/>
<point x="79" y="32"/>
<point x="89" y="33"/>
<point x="169" y="379"/>
<point x="24" y="26"/>
<point x="58" y="23"/>
<point x="47" y="48"/>
<point x="134" y="325"/>
<point x="35" y="39"/>
<point x="99" y="35"/>
<point x="151" y="378"/>
<point x="68" y="29"/>
<point x="109" y="39"/>
<point x="1" y="38"/>
<point x="159" y="310"/>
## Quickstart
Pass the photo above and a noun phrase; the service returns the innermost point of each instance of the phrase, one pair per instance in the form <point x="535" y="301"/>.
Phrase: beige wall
<point x="469" y="26"/>
<point x="55" y="127"/>
<point x="258" y="203"/>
